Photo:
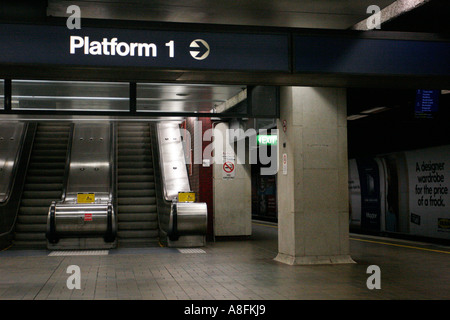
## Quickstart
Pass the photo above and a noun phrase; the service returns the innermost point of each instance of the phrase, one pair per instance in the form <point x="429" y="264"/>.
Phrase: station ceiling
<point x="393" y="115"/>
<point x="323" y="14"/>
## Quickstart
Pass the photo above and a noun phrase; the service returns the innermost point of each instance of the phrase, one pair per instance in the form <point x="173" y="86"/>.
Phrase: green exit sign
<point x="267" y="140"/>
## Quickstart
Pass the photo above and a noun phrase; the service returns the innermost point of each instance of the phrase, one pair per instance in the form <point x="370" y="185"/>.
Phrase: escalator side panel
<point x="9" y="210"/>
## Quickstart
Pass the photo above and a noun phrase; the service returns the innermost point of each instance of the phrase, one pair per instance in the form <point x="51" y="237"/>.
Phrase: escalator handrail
<point x="67" y="166"/>
<point x="112" y="161"/>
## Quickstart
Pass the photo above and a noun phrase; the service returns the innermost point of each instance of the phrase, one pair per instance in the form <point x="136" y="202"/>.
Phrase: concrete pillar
<point x="232" y="196"/>
<point x="313" y="186"/>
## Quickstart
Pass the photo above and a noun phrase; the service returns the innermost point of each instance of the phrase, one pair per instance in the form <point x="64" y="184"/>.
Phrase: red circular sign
<point x="228" y="167"/>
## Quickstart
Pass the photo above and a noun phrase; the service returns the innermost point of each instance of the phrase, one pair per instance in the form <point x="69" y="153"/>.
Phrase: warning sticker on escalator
<point x="85" y="197"/>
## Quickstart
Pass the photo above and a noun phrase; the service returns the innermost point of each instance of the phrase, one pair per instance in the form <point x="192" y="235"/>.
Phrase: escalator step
<point x="136" y="217"/>
<point x="125" y="209"/>
<point x="28" y="219"/>
<point x="135" y="145"/>
<point x="138" y="243"/>
<point x="27" y="236"/>
<point x="37" y="179"/>
<point x="137" y="233"/>
<point x="123" y="140"/>
<point x="50" y="146"/>
<point x="142" y="134"/>
<point x="37" y="165"/>
<point x="135" y="178"/>
<point x="134" y="152"/>
<point x="35" y="202"/>
<point x="135" y="171"/>
<point x="34" y="210"/>
<point x="42" y="194"/>
<point x="43" y="186"/>
<point x="135" y="165"/>
<point x="52" y="153"/>
<point x="48" y="159"/>
<point x="134" y="158"/>
<point x="137" y="201"/>
<point x="138" y="225"/>
<point x="46" y="172"/>
<point x="27" y="244"/>
<point x="34" y="227"/>
<point x="136" y="185"/>
<point x="137" y="193"/>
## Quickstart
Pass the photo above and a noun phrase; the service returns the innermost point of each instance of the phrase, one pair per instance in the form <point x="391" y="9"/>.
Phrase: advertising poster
<point x="354" y="192"/>
<point x="370" y="194"/>
<point x="429" y="200"/>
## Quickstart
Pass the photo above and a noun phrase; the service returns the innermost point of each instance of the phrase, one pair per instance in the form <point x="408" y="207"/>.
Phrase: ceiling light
<point x="356" y="116"/>
<point x="374" y="110"/>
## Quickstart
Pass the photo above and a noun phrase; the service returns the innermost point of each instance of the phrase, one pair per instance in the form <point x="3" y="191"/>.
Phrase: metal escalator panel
<point x="85" y="217"/>
<point x="11" y="138"/>
<point x="137" y="210"/>
<point x="43" y="184"/>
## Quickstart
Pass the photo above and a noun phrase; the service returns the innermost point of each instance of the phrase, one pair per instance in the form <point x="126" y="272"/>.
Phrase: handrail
<point x="15" y="165"/>
<point x="163" y="206"/>
<point x="180" y="174"/>
<point x="67" y="166"/>
<point x="112" y="161"/>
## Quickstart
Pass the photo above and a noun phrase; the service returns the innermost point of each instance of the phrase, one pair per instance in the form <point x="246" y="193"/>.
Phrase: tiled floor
<point x="236" y="270"/>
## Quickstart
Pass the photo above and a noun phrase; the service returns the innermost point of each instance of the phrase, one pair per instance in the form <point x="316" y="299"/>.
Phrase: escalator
<point x="43" y="184"/>
<point x="137" y="210"/>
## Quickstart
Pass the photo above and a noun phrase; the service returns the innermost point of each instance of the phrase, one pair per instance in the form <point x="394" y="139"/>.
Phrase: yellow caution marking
<point x="85" y="197"/>
<point x="372" y="241"/>
<point x="400" y="245"/>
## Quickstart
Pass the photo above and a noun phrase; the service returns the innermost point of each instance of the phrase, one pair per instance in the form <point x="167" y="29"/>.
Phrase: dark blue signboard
<point x="25" y="44"/>
<point x="353" y="55"/>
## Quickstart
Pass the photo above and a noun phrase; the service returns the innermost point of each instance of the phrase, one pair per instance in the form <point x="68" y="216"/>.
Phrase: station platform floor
<point x="229" y="270"/>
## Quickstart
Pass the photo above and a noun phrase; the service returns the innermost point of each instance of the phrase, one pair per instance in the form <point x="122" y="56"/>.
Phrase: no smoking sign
<point x="228" y="167"/>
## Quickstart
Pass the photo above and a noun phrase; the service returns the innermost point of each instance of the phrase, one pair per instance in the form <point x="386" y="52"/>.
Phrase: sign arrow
<point x="199" y="49"/>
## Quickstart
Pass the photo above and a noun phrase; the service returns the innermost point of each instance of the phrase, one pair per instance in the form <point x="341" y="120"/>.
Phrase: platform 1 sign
<point x="57" y="45"/>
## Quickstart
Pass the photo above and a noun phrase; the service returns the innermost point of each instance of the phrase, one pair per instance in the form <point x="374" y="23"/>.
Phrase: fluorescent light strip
<point x="374" y="110"/>
<point x="356" y="116"/>
<point x="69" y="98"/>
